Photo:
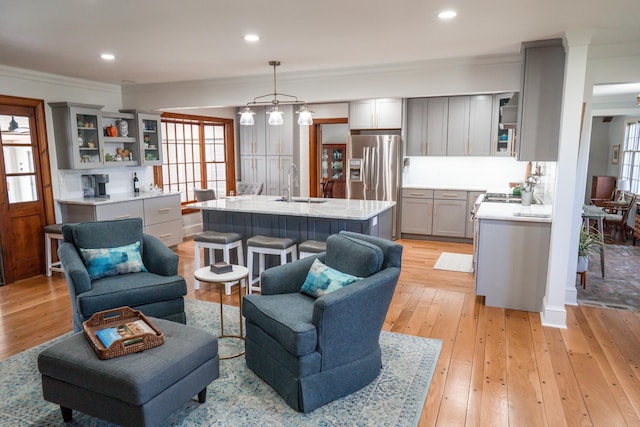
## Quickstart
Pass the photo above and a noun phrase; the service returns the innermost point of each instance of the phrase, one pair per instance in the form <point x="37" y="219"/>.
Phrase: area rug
<point x="620" y="288"/>
<point x="454" y="262"/>
<point x="240" y="398"/>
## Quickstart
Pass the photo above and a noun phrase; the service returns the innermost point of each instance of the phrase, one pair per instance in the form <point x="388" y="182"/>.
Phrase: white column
<point x="566" y="213"/>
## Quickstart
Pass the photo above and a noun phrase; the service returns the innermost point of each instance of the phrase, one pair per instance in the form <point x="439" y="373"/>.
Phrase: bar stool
<point x="213" y="240"/>
<point x="263" y="245"/>
<point x="310" y="247"/>
<point x="52" y="231"/>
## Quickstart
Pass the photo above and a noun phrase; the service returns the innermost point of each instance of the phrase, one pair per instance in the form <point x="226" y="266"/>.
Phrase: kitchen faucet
<point x="293" y="170"/>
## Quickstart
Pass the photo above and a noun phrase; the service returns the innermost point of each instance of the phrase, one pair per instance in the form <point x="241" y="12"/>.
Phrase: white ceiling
<point x="162" y="41"/>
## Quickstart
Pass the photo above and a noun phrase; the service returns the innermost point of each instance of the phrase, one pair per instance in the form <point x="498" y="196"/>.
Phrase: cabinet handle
<point x="449" y="195"/>
<point x="162" y="210"/>
<point x="164" y="236"/>
<point x="417" y="194"/>
<point x="122" y="217"/>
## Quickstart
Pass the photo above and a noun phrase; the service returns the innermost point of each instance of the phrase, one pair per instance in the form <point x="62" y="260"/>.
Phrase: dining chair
<point x="617" y="214"/>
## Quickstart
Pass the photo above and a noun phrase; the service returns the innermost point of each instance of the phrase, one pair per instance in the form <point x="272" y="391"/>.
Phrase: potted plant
<point x="590" y="241"/>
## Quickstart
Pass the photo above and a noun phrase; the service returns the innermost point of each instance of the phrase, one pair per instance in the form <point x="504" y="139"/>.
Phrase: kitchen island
<point x="301" y="219"/>
<point x="511" y="254"/>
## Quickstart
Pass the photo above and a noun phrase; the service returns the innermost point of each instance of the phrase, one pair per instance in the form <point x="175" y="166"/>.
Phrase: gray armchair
<point x="158" y="292"/>
<point x="315" y="350"/>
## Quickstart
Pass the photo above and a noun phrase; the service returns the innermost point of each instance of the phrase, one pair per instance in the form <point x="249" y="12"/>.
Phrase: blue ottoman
<point x="140" y="389"/>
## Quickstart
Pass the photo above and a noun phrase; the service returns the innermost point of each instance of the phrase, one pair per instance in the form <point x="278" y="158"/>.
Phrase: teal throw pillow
<point x="323" y="279"/>
<point x="112" y="261"/>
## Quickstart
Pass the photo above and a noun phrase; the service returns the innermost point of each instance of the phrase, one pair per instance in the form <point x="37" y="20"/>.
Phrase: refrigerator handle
<point x="366" y="152"/>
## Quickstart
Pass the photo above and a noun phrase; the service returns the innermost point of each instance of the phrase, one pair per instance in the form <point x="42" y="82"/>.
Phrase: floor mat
<point x="455" y="262"/>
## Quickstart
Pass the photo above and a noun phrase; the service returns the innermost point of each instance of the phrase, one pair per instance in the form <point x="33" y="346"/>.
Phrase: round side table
<point x="238" y="274"/>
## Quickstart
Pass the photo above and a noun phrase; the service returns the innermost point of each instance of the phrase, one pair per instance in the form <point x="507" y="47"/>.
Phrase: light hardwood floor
<point x="497" y="367"/>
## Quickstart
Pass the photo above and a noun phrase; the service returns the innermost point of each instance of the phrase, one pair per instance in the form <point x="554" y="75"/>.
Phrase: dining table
<point x="597" y="214"/>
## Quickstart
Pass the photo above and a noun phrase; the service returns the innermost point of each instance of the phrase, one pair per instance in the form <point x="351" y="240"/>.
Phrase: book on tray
<point x="131" y="332"/>
<point x="221" y="267"/>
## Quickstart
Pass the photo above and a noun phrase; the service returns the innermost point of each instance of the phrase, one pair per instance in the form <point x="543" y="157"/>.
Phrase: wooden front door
<point x="25" y="188"/>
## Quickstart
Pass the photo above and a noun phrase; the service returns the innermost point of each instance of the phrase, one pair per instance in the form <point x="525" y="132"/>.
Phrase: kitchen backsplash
<point x="120" y="180"/>
<point x="481" y="173"/>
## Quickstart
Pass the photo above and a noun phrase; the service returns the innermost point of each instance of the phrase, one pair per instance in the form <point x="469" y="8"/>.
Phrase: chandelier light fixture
<point x="275" y="114"/>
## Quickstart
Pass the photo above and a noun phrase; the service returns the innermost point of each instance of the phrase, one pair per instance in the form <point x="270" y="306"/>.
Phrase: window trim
<point x="229" y="146"/>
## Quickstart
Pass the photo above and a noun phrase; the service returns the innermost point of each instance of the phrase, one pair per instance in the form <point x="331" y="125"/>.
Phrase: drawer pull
<point x="164" y="236"/>
<point x="417" y="194"/>
<point x="449" y="195"/>
<point x="162" y="210"/>
<point x="123" y="217"/>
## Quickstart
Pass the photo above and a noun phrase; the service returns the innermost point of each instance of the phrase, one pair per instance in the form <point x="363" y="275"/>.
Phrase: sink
<point x="302" y="200"/>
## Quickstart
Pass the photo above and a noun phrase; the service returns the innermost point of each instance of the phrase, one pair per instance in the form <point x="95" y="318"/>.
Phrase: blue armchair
<point x="157" y="292"/>
<point x="315" y="350"/>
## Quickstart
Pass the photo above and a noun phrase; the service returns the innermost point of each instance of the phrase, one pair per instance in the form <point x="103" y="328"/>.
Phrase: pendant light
<point x="276" y="117"/>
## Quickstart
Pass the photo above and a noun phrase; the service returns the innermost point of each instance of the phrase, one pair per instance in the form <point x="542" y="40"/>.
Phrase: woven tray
<point x="118" y="317"/>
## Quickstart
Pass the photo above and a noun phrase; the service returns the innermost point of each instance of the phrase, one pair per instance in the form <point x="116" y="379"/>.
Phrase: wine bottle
<point x="136" y="186"/>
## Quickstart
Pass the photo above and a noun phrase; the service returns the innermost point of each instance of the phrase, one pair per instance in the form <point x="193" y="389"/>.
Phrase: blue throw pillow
<point x="112" y="261"/>
<point x="322" y="279"/>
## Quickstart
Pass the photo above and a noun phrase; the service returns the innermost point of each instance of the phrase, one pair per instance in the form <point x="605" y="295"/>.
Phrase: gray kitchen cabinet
<point x="254" y="168"/>
<point x="481" y="109"/>
<point x="277" y="172"/>
<point x="149" y="128"/>
<point x="279" y="139"/>
<point x="416" y="127"/>
<point x="437" y="126"/>
<point x="540" y="100"/>
<point x="264" y="147"/>
<point x="382" y="113"/>
<point x="78" y="133"/>
<point x="417" y="211"/>
<point x="163" y="218"/>
<point x="511" y="263"/>
<point x="458" y="126"/>
<point x="252" y="138"/>
<point x="427" y="126"/>
<point x="450" y="126"/>
<point x="161" y="215"/>
<point x="449" y="213"/>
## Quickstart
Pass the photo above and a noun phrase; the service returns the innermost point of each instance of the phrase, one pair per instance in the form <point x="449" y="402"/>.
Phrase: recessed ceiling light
<point x="108" y="56"/>
<point x="447" y="14"/>
<point x="252" y="38"/>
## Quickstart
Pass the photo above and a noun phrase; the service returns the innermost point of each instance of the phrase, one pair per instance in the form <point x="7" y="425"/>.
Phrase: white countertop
<point x="450" y="188"/>
<point x="329" y="208"/>
<point x="514" y="212"/>
<point x="116" y="198"/>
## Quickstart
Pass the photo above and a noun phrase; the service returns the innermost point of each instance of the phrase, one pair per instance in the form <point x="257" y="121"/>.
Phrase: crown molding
<point x="60" y="80"/>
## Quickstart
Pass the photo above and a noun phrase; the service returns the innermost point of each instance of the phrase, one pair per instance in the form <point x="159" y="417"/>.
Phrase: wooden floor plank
<point x="454" y="404"/>
<point x="482" y="348"/>
<point x="494" y="409"/>
<point x="573" y="404"/>
<point x="523" y="381"/>
<point x="551" y="401"/>
<point x="621" y="377"/>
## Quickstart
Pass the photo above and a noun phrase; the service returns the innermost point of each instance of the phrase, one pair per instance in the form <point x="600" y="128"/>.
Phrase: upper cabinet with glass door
<point x="149" y="133"/>
<point x="78" y="134"/>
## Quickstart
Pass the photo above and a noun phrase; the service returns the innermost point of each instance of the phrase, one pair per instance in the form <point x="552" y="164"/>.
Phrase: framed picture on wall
<point x="615" y="154"/>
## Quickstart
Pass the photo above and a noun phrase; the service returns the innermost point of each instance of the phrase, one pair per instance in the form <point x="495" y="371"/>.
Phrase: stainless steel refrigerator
<point x="373" y="168"/>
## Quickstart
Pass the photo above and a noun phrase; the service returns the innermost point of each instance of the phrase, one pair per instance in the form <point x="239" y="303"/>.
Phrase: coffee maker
<point x="95" y="186"/>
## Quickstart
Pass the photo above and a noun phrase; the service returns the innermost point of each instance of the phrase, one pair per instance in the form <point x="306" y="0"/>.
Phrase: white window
<point x="631" y="155"/>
